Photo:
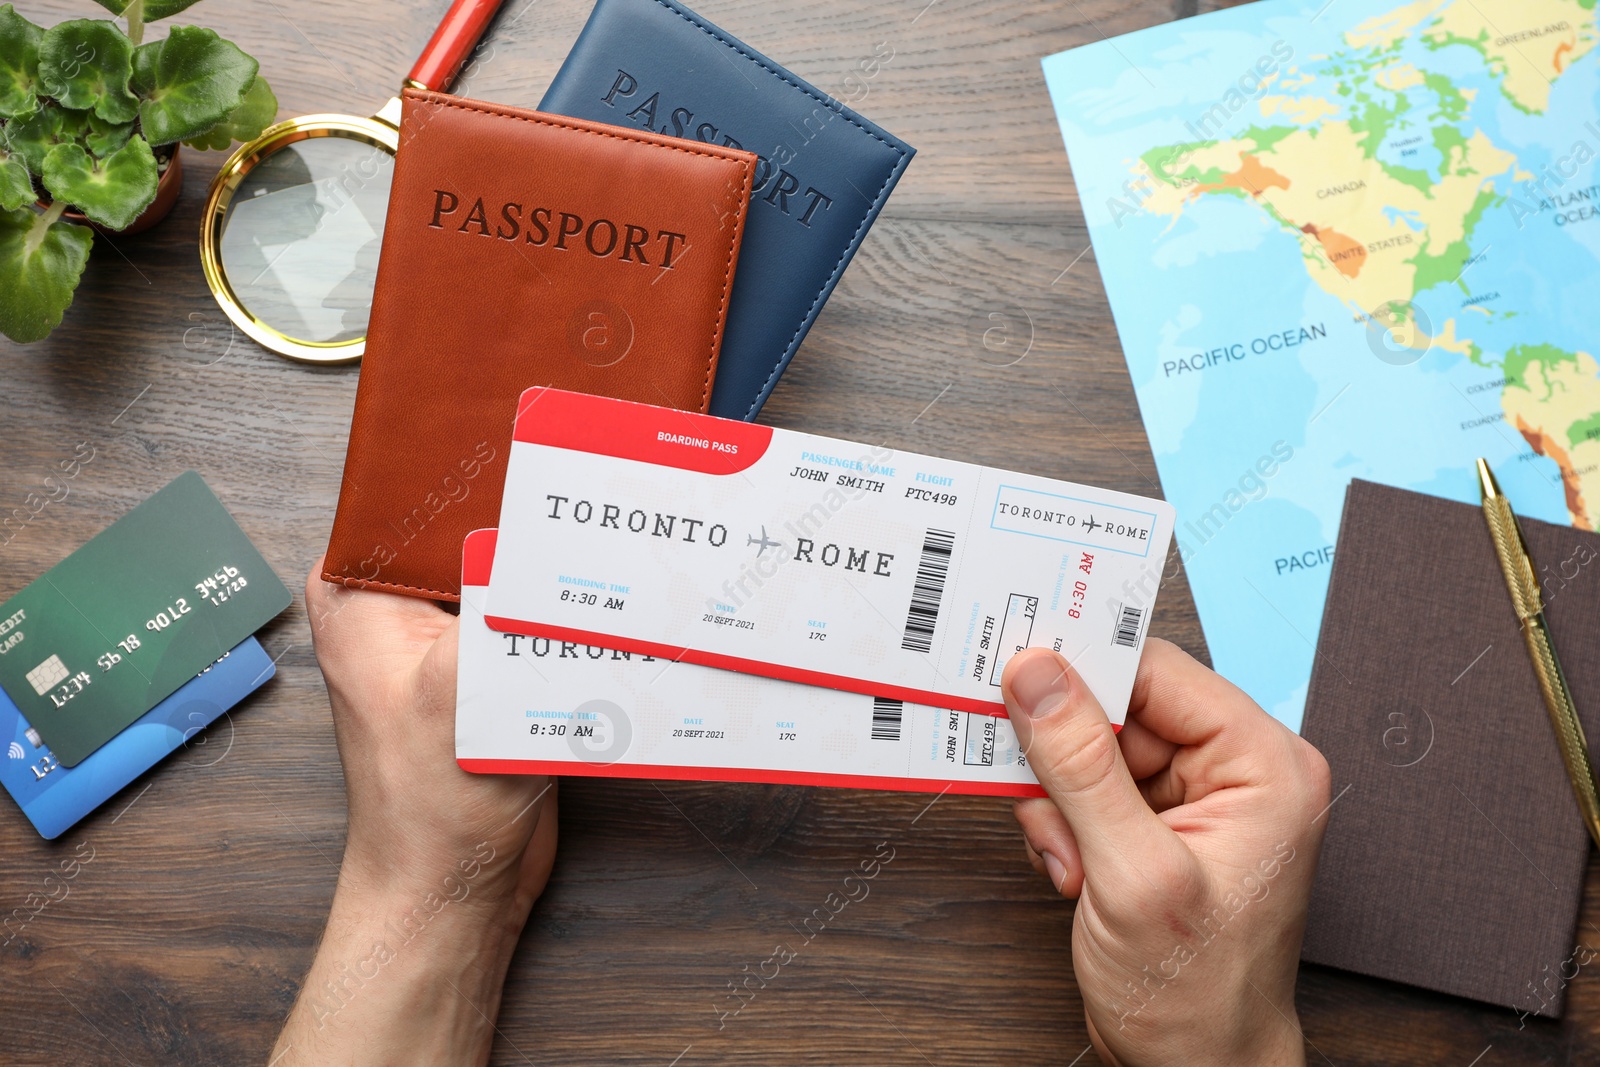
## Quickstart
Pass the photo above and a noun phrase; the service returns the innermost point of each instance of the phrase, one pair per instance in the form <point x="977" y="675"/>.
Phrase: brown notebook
<point x="1455" y="854"/>
<point x="521" y="249"/>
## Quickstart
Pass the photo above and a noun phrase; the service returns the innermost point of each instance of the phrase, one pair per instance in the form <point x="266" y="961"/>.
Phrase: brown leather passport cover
<point x="1455" y="855"/>
<point x="521" y="249"/>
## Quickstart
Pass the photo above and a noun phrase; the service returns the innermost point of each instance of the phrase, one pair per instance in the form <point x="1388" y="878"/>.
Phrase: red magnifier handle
<point x="452" y="42"/>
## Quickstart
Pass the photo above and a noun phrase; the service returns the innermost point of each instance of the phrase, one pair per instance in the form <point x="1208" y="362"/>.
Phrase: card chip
<point x="47" y="674"/>
<point x="937" y="547"/>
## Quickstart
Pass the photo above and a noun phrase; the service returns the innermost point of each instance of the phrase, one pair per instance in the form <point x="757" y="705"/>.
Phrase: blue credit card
<point x="54" y="797"/>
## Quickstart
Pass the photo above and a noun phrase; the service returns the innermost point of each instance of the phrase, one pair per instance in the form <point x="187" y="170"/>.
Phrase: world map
<point x="1344" y="239"/>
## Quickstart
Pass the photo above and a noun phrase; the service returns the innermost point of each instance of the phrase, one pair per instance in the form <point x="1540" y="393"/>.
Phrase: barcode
<point x="1127" y="634"/>
<point x="886" y="716"/>
<point x="937" y="546"/>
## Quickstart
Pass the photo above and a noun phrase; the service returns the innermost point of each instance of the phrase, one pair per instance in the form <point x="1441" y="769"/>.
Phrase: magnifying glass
<point x="293" y="221"/>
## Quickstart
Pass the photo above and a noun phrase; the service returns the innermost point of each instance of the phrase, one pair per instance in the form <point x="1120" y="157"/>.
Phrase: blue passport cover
<point x="54" y="797"/>
<point x="823" y="175"/>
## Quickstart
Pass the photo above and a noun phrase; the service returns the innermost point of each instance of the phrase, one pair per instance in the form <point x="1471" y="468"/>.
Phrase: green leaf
<point x="104" y="138"/>
<point x="19" y="63"/>
<point x="145" y="58"/>
<point x="40" y="265"/>
<point x="199" y="79"/>
<point x="153" y="9"/>
<point x="111" y="191"/>
<point x="16" y="184"/>
<point x="244" y="122"/>
<point x="33" y="138"/>
<point x="161" y="9"/>
<point x="85" y="64"/>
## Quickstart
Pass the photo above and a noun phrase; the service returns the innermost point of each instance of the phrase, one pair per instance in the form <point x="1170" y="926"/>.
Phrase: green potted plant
<point x="91" y="117"/>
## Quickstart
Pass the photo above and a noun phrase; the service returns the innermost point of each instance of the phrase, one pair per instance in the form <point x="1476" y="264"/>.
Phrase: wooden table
<point x="184" y="940"/>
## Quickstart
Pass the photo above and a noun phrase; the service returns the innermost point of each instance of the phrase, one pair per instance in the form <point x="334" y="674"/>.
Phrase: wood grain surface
<point x="184" y="940"/>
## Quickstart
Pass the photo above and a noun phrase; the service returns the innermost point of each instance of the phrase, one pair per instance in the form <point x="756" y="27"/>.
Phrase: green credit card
<point x="115" y="628"/>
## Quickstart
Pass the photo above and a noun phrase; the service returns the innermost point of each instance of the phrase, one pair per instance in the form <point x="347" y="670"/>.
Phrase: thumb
<point x="1073" y="750"/>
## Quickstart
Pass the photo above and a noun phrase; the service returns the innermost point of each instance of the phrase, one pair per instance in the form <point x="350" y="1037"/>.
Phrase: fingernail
<point x="1055" y="869"/>
<point x="1040" y="685"/>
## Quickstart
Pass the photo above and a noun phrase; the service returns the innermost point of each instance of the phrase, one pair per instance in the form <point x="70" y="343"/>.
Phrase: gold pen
<point x="1526" y="597"/>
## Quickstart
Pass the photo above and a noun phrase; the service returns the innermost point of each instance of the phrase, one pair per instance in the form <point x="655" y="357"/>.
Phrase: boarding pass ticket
<point x="814" y="560"/>
<point x="539" y="705"/>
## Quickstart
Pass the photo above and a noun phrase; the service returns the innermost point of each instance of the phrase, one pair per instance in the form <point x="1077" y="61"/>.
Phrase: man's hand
<point x="390" y="665"/>
<point x="441" y="867"/>
<point x="1189" y="840"/>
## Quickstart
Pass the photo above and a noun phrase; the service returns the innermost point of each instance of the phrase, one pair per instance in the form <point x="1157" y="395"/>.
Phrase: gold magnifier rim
<point x="373" y="131"/>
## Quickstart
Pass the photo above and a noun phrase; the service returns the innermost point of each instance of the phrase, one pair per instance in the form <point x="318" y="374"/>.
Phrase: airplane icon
<point x="765" y="542"/>
<point x="1091" y="525"/>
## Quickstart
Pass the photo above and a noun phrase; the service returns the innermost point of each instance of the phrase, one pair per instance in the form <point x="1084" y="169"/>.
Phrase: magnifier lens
<point x="300" y="238"/>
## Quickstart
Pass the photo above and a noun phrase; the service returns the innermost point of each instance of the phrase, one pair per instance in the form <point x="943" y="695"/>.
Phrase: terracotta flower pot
<point x="168" y="187"/>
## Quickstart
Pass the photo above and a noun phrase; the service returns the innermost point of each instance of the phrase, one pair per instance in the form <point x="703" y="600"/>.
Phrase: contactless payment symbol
<point x="47" y="674"/>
